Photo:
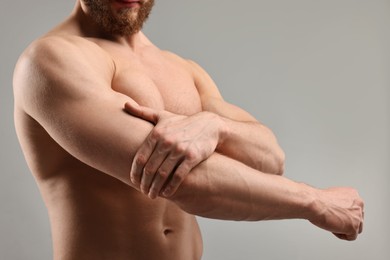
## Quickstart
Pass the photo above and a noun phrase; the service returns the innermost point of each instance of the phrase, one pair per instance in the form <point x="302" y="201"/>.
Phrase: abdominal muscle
<point x="94" y="216"/>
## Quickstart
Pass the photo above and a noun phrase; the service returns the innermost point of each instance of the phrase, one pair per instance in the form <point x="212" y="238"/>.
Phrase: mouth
<point x="127" y="3"/>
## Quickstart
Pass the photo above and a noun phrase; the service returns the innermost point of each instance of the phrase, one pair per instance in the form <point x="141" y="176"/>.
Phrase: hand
<point x="176" y="144"/>
<point x="340" y="211"/>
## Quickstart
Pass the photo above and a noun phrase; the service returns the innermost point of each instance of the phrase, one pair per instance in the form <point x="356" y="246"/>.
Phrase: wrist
<point x="310" y="203"/>
<point x="223" y="130"/>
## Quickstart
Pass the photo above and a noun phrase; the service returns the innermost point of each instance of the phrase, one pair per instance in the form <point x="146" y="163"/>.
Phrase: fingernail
<point x="152" y="195"/>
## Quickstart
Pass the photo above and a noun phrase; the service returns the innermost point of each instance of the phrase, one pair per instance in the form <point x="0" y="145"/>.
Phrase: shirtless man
<point x="124" y="182"/>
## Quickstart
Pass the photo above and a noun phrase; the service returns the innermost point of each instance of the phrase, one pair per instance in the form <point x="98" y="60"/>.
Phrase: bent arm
<point x="244" y="138"/>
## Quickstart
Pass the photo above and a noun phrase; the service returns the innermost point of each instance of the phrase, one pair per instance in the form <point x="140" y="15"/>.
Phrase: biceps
<point x="97" y="131"/>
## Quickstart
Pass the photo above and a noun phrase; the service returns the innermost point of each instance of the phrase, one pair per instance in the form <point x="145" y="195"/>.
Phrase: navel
<point x="167" y="231"/>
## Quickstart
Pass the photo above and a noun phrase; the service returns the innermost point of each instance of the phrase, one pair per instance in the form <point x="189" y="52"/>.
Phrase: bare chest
<point x="157" y="82"/>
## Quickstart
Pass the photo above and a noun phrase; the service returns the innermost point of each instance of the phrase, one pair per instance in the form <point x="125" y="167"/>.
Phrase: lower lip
<point x="127" y="4"/>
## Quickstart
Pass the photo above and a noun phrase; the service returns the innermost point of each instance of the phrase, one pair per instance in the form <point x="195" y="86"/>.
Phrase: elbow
<point x="273" y="163"/>
<point x="280" y="162"/>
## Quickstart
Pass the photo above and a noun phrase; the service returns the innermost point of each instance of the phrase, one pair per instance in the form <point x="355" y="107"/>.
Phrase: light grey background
<point x="316" y="72"/>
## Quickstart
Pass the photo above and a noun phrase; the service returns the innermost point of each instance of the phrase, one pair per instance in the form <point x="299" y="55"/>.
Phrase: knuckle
<point x="354" y="226"/>
<point x="140" y="160"/>
<point x="180" y="149"/>
<point x="191" y="155"/>
<point x="157" y="133"/>
<point x="167" y="142"/>
<point x="148" y="171"/>
<point x="163" y="173"/>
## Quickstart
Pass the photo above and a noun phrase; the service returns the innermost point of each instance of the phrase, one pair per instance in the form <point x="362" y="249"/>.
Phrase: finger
<point x="142" y="112"/>
<point x="340" y="236"/>
<point x="349" y="237"/>
<point x="137" y="166"/>
<point x="177" y="178"/>
<point x="146" y="180"/>
<point x="141" y="158"/>
<point x="361" y="223"/>
<point x="166" y="169"/>
<point x="360" y="204"/>
<point x="158" y="156"/>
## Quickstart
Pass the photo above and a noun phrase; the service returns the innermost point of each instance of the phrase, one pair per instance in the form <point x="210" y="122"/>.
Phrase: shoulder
<point x="62" y="51"/>
<point x="197" y="72"/>
<point x="55" y="65"/>
<point x="202" y="80"/>
<point x="190" y="64"/>
<point x="52" y="56"/>
<point x="185" y="63"/>
<point x="199" y="75"/>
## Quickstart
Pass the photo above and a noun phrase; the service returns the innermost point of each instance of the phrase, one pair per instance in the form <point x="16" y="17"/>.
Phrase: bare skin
<point x="98" y="167"/>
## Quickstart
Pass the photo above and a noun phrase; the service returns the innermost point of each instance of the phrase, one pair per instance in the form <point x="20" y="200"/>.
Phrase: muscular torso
<point x="95" y="216"/>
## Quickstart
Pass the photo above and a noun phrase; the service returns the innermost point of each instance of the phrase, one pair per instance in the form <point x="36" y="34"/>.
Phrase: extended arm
<point x="226" y="189"/>
<point x="68" y="92"/>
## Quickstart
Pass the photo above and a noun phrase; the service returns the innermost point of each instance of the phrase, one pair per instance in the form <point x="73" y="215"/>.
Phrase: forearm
<point x="223" y="188"/>
<point x="244" y="139"/>
<point x="252" y="144"/>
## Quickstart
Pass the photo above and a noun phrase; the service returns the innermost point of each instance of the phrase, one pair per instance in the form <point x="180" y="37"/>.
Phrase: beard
<point x="126" y="22"/>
